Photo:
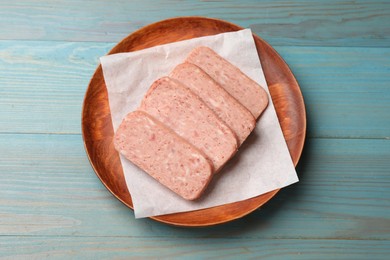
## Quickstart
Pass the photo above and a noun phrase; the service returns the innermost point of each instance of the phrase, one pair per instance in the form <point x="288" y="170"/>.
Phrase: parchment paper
<point x="262" y="164"/>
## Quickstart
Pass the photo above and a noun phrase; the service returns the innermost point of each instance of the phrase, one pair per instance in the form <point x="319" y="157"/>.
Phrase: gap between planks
<point x="198" y="238"/>
<point x="311" y="137"/>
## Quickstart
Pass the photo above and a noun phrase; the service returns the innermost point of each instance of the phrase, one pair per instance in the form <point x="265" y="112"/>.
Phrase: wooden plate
<point x="98" y="132"/>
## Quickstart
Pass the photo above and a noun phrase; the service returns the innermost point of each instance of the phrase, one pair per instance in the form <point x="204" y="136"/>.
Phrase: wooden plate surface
<point x="98" y="132"/>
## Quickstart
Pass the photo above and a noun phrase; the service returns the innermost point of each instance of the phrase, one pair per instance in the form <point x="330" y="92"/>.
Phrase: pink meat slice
<point x="231" y="78"/>
<point x="163" y="155"/>
<point x="185" y="113"/>
<point x="227" y="108"/>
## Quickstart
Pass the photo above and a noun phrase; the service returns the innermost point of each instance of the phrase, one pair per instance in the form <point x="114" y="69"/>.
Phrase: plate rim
<point x="160" y="218"/>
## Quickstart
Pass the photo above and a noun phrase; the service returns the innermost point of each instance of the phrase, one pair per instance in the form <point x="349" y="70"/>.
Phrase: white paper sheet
<point x="263" y="162"/>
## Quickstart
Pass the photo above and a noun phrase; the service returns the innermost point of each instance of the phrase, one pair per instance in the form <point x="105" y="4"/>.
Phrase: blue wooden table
<point x="52" y="205"/>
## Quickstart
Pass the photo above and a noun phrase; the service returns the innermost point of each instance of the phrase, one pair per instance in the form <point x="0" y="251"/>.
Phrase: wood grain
<point x="162" y="248"/>
<point x="48" y="189"/>
<point x="97" y="125"/>
<point x="304" y="22"/>
<point x="53" y="206"/>
<point x="335" y="83"/>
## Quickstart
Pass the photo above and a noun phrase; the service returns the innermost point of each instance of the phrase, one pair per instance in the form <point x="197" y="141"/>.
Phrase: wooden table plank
<point x="345" y="89"/>
<point x="49" y="189"/>
<point x="346" y="95"/>
<point x="189" y="248"/>
<point x="41" y="81"/>
<point x="305" y="22"/>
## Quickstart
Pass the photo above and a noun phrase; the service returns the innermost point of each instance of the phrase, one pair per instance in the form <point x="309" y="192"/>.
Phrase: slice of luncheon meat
<point x="231" y="78"/>
<point x="227" y="108"/>
<point x="186" y="114"/>
<point x="163" y="155"/>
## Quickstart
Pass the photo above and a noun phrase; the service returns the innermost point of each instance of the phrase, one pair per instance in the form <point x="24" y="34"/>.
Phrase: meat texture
<point x="163" y="155"/>
<point x="232" y="79"/>
<point x="227" y="108"/>
<point x="186" y="114"/>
